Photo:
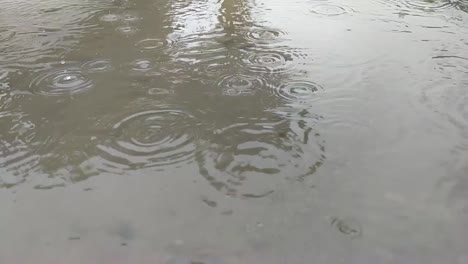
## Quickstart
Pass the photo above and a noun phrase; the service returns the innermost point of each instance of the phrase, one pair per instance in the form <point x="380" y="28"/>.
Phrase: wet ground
<point x="231" y="131"/>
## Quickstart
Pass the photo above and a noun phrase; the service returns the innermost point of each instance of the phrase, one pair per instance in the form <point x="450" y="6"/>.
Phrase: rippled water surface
<point x="234" y="131"/>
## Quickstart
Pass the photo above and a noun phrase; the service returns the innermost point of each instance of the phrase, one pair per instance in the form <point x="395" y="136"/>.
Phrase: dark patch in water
<point x="209" y="202"/>
<point x="251" y="195"/>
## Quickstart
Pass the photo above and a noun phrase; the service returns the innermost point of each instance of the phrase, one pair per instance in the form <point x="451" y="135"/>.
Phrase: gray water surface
<point x="233" y="131"/>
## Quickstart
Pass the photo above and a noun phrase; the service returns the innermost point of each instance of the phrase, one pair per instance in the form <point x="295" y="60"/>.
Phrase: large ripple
<point x="251" y="157"/>
<point x="151" y="138"/>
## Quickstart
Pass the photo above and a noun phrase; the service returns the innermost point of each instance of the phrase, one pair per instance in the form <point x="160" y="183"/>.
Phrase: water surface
<point x="233" y="131"/>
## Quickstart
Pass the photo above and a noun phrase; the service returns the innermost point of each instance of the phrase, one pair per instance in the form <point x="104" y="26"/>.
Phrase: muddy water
<point x="231" y="131"/>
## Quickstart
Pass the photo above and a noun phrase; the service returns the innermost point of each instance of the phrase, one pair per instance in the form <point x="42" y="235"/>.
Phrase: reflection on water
<point x="233" y="131"/>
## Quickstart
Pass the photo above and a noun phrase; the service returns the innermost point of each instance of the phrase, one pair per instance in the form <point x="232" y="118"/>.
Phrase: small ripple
<point x="153" y="44"/>
<point x="239" y="84"/>
<point x="297" y="91"/>
<point x="65" y="81"/>
<point x="142" y="65"/>
<point x="151" y="138"/>
<point x="264" y="35"/>
<point x="129" y="17"/>
<point x="112" y="17"/>
<point x="95" y="66"/>
<point x="330" y="10"/>
<point x="278" y="61"/>
<point x="266" y="62"/>
<point x="127" y="30"/>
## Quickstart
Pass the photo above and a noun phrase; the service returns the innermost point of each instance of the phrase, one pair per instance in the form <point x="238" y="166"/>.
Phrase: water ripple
<point x="330" y="10"/>
<point x="210" y="69"/>
<point x="99" y="65"/>
<point x="153" y="44"/>
<point x="297" y="91"/>
<point x="143" y="67"/>
<point x="127" y="30"/>
<point x="65" y="81"/>
<point x="268" y="62"/>
<point x="112" y="17"/>
<point x="264" y="35"/>
<point x="32" y="33"/>
<point x="462" y="5"/>
<point x="266" y="152"/>
<point x="18" y="144"/>
<point x="239" y="84"/>
<point x="446" y="93"/>
<point x="151" y="138"/>
<point x="428" y="5"/>
<point x="421" y="5"/>
<point x="207" y="57"/>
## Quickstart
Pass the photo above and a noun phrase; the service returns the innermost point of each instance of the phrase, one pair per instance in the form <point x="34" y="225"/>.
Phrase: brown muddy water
<point x="233" y="131"/>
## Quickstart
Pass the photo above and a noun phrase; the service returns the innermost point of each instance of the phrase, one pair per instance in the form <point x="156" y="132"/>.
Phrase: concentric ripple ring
<point x="65" y="81"/>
